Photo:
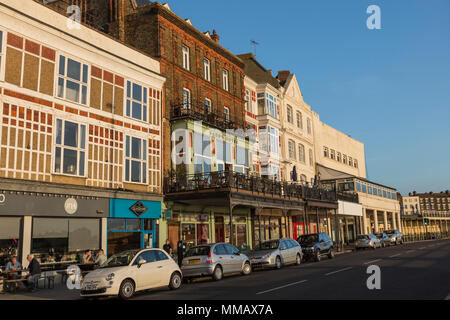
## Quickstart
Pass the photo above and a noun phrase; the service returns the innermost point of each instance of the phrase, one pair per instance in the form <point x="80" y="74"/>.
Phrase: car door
<point x="164" y="267"/>
<point x="284" y="251"/>
<point x="295" y="249"/>
<point x="147" y="273"/>
<point x="223" y="257"/>
<point x="235" y="258"/>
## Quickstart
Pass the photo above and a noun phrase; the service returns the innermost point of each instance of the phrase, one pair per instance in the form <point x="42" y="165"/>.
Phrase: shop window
<point x="67" y="239"/>
<point x="72" y="80"/>
<point x="9" y="238"/>
<point x="135" y="160"/>
<point x="137" y="101"/>
<point x="121" y="241"/>
<point x="134" y="224"/>
<point x="70" y="150"/>
<point x="148" y="224"/>
<point x="116" y="224"/>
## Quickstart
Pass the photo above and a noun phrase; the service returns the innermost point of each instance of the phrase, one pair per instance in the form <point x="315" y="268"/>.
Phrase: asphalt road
<point x="411" y="271"/>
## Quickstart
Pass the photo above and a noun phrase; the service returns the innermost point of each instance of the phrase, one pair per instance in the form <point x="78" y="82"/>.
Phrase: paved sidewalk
<point x="60" y="292"/>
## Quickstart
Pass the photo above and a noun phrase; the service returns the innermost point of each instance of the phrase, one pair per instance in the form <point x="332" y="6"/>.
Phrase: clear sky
<point x="388" y="88"/>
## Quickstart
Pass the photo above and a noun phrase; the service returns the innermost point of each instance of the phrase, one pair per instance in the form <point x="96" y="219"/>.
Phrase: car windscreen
<point x="362" y="237"/>
<point x="309" y="238"/>
<point x="120" y="259"/>
<point x="198" y="251"/>
<point x="268" y="245"/>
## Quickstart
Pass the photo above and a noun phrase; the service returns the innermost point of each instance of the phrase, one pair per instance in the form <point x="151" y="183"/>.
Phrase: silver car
<point x="214" y="260"/>
<point x="396" y="236"/>
<point x="364" y="241"/>
<point x="276" y="253"/>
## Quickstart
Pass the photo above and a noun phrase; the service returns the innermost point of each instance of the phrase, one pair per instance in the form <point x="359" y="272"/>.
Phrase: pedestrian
<point x="101" y="257"/>
<point x="168" y="247"/>
<point x="34" y="272"/>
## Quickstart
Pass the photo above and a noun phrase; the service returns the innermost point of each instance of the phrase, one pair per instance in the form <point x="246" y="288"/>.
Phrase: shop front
<point x="132" y="224"/>
<point x="52" y="227"/>
<point x="197" y="226"/>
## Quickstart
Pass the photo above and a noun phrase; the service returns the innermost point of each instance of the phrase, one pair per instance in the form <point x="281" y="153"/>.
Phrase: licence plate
<point x="196" y="261"/>
<point x="91" y="288"/>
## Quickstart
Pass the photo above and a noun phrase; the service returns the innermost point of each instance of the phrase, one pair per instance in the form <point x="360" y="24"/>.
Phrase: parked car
<point x="364" y="241"/>
<point x="214" y="260"/>
<point x="384" y="239"/>
<point x="276" y="253"/>
<point x="130" y="271"/>
<point x="316" y="245"/>
<point x="396" y="236"/>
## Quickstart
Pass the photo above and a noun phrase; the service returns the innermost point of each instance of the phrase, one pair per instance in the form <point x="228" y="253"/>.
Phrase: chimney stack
<point x="215" y="36"/>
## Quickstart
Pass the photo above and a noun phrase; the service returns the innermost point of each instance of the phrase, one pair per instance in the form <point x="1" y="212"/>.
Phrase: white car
<point x="134" y="270"/>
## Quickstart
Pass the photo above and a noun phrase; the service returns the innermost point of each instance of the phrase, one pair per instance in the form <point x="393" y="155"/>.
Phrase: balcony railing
<point x="176" y="183"/>
<point x="199" y="111"/>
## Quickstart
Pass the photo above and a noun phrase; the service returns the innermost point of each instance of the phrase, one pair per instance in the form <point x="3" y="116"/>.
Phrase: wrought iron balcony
<point x="176" y="183"/>
<point x="199" y="111"/>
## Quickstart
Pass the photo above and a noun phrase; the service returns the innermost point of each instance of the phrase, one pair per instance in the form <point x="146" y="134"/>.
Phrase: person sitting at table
<point x="12" y="269"/>
<point x="34" y="272"/>
<point x="87" y="258"/>
<point x="101" y="257"/>
<point x="50" y="258"/>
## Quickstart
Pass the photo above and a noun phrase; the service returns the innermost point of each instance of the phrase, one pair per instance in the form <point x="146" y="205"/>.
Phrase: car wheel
<point x="298" y="259"/>
<point x="331" y="254"/>
<point x="317" y="256"/>
<point x="247" y="269"/>
<point x="175" y="281"/>
<point x="278" y="262"/>
<point x="218" y="273"/>
<point x="126" y="290"/>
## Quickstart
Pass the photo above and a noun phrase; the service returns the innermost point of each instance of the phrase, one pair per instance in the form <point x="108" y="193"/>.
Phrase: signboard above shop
<point x="20" y="203"/>
<point x="124" y="208"/>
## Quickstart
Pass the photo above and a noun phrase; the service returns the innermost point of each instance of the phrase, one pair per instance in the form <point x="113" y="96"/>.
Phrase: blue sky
<point x="388" y="88"/>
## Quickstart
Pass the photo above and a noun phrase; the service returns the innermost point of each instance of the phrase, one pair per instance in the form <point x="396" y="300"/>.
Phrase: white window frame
<point x="186" y="104"/>
<point x="225" y="80"/>
<point x="289" y="114"/>
<point x="208" y="105"/>
<point x="301" y="153"/>
<point x="248" y="100"/>
<point x="207" y="69"/>
<point x="2" y="54"/>
<point x="226" y="113"/>
<point x="299" y="120"/>
<point x="142" y="161"/>
<point x="186" y="57"/>
<point x="144" y="102"/>
<point x="66" y="78"/>
<point x="291" y="149"/>
<point x="62" y="146"/>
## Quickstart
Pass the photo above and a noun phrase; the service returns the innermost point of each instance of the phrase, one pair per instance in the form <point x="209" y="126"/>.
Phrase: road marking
<point x="329" y="273"/>
<point x="277" y="288"/>
<point x="395" y="255"/>
<point x="373" y="261"/>
<point x="409" y="251"/>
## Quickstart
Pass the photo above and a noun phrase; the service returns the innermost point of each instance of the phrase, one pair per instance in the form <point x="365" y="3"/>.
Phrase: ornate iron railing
<point x="199" y="111"/>
<point x="175" y="183"/>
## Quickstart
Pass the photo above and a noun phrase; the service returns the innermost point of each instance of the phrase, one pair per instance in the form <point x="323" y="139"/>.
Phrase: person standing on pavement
<point x="34" y="269"/>
<point x="168" y="247"/>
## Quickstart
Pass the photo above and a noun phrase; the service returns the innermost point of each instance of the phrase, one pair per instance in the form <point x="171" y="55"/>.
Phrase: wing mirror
<point x="141" y="262"/>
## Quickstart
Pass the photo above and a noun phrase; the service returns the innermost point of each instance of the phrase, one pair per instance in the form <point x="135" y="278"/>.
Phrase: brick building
<point x="80" y="137"/>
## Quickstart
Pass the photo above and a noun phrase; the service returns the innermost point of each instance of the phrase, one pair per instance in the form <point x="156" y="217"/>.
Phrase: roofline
<point x="87" y="42"/>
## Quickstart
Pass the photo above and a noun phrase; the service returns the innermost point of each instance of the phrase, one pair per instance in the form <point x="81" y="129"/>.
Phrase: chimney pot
<point x="215" y="36"/>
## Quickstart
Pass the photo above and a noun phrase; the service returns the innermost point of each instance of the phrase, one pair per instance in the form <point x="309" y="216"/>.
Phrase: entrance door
<point x="219" y="232"/>
<point x="148" y="239"/>
<point x="174" y="235"/>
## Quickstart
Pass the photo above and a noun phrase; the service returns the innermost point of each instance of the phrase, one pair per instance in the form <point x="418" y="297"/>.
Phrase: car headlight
<point x="110" y="276"/>
<point x="266" y="256"/>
